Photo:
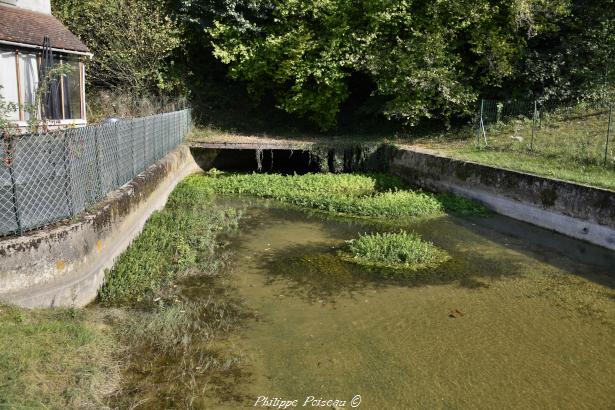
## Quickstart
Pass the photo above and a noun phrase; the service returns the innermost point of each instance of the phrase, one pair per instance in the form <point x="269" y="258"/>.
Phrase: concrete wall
<point x="575" y="210"/>
<point x="64" y="265"/>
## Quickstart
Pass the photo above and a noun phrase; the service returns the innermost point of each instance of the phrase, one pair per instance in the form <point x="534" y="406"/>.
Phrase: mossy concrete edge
<point x="65" y="264"/>
<point x="579" y="211"/>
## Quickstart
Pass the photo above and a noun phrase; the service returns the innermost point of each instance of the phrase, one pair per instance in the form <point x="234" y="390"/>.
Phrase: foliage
<point x="177" y="240"/>
<point x="6" y="108"/>
<point x="568" y="57"/>
<point x="132" y="42"/>
<point x="54" y="358"/>
<point x="409" y="61"/>
<point x="401" y="250"/>
<point x="422" y="58"/>
<point x="375" y="195"/>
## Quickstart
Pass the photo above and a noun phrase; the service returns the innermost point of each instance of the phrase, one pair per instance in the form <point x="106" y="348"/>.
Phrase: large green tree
<point x="132" y="42"/>
<point x="425" y="58"/>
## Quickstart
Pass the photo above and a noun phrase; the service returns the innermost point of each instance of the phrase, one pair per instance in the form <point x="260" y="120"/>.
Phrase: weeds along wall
<point x="48" y="177"/>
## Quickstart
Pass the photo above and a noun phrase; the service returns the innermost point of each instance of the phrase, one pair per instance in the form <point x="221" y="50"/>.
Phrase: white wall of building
<point x="42" y="6"/>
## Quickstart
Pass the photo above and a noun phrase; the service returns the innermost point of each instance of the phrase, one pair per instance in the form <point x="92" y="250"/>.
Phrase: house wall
<point x="42" y="6"/>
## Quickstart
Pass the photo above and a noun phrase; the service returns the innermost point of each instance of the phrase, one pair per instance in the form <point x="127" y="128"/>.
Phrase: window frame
<point x="61" y="58"/>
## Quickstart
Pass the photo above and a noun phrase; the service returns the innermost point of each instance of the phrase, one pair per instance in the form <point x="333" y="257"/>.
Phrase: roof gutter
<point x="34" y="46"/>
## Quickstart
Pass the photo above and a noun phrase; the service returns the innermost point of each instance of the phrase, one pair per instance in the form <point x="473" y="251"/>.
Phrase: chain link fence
<point x="47" y="177"/>
<point x="579" y="132"/>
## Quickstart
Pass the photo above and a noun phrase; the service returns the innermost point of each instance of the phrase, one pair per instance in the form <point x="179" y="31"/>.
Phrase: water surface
<point x="519" y="318"/>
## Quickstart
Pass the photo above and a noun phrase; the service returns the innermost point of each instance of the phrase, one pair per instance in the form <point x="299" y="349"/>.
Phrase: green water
<point x="519" y="318"/>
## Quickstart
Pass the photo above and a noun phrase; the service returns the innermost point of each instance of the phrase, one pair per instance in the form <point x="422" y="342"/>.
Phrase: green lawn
<point x="567" y="146"/>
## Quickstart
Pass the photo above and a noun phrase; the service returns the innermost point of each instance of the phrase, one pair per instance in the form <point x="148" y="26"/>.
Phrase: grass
<point x="55" y="358"/>
<point x="177" y="240"/>
<point x="170" y="339"/>
<point x="400" y="251"/>
<point x="569" y="147"/>
<point x="145" y="341"/>
<point x="360" y="195"/>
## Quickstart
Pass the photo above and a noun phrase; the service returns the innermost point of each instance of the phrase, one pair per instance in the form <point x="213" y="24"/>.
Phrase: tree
<point x="132" y="42"/>
<point x="424" y="58"/>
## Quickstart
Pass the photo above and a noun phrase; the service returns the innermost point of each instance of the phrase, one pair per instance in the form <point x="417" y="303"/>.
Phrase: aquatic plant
<point x="177" y="240"/>
<point x="400" y="250"/>
<point x="362" y="195"/>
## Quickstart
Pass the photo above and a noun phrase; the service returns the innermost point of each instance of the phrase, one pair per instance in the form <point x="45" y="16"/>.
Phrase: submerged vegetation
<point x="400" y="250"/>
<point x="361" y="195"/>
<point x="177" y="334"/>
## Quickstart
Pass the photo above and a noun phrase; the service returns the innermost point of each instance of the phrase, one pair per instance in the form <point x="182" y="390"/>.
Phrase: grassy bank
<point x="568" y="147"/>
<point x="359" y="195"/>
<point x="145" y="341"/>
<point x="568" y="144"/>
<point x="178" y="241"/>
<point x="58" y="358"/>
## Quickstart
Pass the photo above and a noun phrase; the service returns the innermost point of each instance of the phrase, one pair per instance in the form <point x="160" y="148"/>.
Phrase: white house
<point x="31" y="40"/>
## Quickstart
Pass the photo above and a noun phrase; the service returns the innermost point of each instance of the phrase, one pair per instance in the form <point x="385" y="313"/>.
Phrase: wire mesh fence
<point x="47" y="177"/>
<point x="580" y="132"/>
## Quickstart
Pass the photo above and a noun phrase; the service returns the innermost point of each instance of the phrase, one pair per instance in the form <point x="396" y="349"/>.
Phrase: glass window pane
<point x="28" y="68"/>
<point x="72" y="92"/>
<point x="8" y="81"/>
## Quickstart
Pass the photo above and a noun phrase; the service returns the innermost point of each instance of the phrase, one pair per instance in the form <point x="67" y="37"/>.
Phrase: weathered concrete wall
<point x="575" y="210"/>
<point x="65" y="265"/>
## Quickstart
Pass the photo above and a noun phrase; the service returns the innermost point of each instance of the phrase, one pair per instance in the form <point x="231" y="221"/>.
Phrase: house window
<point x="72" y="91"/>
<point x="28" y="72"/>
<point x="19" y="83"/>
<point x="63" y="97"/>
<point x="8" y="82"/>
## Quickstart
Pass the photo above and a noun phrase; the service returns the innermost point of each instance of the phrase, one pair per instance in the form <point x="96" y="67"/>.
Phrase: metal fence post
<point x="533" y="127"/>
<point x="117" y="155"/>
<point x="132" y="148"/>
<point x="482" y="124"/>
<point x="608" y="135"/>
<point x="143" y="133"/>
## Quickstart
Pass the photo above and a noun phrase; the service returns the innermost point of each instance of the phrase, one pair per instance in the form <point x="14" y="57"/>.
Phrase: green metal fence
<point x="581" y="132"/>
<point x="47" y="177"/>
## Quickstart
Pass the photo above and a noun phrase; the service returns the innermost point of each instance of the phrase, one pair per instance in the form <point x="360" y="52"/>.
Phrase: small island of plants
<point x="401" y="251"/>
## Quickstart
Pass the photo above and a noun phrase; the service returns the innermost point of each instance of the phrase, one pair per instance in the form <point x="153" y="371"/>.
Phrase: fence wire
<point x="48" y="177"/>
<point x="580" y="132"/>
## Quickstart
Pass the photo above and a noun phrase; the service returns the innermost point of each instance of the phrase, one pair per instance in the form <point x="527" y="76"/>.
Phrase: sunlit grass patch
<point x="400" y="250"/>
<point x="176" y="240"/>
<point x="55" y="358"/>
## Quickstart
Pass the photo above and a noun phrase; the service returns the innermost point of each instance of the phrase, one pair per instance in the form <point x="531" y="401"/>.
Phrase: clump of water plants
<point x="360" y="195"/>
<point x="394" y="250"/>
